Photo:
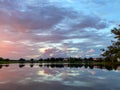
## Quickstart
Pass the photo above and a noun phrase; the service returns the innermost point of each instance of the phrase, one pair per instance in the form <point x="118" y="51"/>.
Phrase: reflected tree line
<point x="53" y="65"/>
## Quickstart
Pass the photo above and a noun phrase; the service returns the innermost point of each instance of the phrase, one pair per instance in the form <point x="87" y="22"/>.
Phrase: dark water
<point x="58" y="77"/>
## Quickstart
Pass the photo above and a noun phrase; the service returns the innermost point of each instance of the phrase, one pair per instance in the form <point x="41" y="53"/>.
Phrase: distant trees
<point x="113" y="51"/>
<point x="31" y="60"/>
<point x="50" y="60"/>
<point x="1" y="59"/>
<point x="4" y="60"/>
<point x="74" y="60"/>
<point x="22" y="60"/>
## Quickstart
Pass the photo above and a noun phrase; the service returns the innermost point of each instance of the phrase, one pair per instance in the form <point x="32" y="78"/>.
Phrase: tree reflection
<point x="31" y="65"/>
<point x="86" y="66"/>
<point x="53" y="65"/>
<point x="21" y="65"/>
<point x="40" y="65"/>
<point x="1" y="66"/>
<point x="6" y="65"/>
<point x="90" y="66"/>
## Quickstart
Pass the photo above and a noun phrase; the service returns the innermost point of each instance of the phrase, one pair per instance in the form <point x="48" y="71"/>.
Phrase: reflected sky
<point x="47" y="78"/>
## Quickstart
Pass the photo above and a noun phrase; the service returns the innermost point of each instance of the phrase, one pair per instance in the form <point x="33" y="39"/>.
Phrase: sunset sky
<point x="56" y="28"/>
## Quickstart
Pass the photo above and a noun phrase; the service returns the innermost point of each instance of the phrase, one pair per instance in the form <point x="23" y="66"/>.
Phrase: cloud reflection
<point x="58" y="77"/>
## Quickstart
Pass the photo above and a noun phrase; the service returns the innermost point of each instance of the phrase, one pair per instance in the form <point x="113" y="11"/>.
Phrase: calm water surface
<point x="45" y="77"/>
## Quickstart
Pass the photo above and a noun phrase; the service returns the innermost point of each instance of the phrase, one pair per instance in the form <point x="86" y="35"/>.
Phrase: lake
<point x="58" y="77"/>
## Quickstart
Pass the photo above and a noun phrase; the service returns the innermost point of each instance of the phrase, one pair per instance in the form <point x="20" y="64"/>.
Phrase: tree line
<point x="55" y="60"/>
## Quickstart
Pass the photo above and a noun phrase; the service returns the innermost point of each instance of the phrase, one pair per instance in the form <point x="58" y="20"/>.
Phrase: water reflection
<point x="21" y="65"/>
<point x="35" y="76"/>
<point x="31" y="65"/>
<point x="51" y="65"/>
<point x="1" y="66"/>
<point x="5" y="65"/>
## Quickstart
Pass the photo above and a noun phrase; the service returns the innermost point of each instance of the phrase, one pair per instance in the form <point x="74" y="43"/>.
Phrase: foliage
<point x="113" y="51"/>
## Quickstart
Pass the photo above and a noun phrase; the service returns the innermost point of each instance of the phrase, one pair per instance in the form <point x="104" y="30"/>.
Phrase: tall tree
<point x="113" y="51"/>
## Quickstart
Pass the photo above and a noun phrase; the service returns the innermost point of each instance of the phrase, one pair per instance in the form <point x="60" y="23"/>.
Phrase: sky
<point x="56" y="28"/>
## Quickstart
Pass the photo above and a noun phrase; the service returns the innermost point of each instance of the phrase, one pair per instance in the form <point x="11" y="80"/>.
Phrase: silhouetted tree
<point x="85" y="60"/>
<point x="52" y="59"/>
<point x="22" y="60"/>
<point x="113" y="51"/>
<point x="1" y="59"/>
<point x="90" y="59"/>
<point x="32" y="60"/>
<point x="40" y="60"/>
<point x="7" y="60"/>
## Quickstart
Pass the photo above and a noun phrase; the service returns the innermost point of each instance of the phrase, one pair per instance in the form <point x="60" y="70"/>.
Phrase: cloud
<point x="34" y="17"/>
<point x="90" y="21"/>
<point x="60" y="28"/>
<point x="91" y="51"/>
<point x="52" y="52"/>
